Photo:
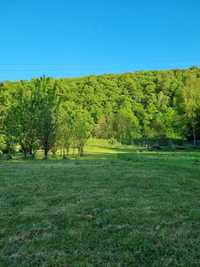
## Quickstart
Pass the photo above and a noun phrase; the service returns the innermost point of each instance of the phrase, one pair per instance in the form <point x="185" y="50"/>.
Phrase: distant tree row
<point x="59" y="114"/>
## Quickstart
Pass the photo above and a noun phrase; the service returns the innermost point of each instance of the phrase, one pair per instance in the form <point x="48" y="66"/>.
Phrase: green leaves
<point x="55" y="114"/>
<point x="75" y="127"/>
<point x="191" y="98"/>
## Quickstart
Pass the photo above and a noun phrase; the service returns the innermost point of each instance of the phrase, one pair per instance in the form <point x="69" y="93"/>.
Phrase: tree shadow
<point x="108" y="153"/>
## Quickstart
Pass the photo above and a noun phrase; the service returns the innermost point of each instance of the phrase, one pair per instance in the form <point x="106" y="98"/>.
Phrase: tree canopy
<point x="145" y="106"/>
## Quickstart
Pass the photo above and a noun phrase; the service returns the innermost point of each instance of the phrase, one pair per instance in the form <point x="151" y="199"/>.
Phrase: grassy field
<point x="114" y="207"/>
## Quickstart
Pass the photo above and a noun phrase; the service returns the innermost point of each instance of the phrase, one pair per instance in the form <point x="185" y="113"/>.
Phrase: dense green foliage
<point x="141" y="107"/>
<point x="111" y="210"/>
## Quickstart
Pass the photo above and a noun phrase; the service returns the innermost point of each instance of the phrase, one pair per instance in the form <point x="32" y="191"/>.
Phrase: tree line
<point x="143" y="107"/>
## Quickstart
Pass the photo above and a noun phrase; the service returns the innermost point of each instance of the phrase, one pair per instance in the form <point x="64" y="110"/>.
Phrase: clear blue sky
<point x="64" y="38"/>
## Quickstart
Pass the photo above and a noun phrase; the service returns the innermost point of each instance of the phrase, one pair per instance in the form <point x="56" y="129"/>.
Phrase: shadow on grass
<point x="112" y="153"/>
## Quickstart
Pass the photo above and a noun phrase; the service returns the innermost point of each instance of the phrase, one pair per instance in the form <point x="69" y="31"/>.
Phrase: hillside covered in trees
<point x="147" y="107"/>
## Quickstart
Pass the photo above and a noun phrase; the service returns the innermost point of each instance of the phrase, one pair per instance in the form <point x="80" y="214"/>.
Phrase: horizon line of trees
<point x="58" y="114"/>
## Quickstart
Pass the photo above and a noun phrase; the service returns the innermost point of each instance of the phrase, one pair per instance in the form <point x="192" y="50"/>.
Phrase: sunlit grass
<point x="116" y="206"/>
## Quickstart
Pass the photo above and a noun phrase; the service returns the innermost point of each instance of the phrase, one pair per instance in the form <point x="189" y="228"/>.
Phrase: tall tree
<point x="125" y="124"/>
<point x="65" y="129"/>
<point x="82" y="129"/>
<point x="7" y="99"/>
<point x="21" y="118"/>
<point x="191" y="97"/>
<point x="47" y="99"/>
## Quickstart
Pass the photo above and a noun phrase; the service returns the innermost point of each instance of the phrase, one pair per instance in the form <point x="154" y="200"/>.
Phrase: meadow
<point x="116" y="206"/>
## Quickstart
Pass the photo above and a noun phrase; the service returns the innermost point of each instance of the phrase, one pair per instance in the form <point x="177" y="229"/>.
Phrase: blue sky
<point x="64" y="38"/>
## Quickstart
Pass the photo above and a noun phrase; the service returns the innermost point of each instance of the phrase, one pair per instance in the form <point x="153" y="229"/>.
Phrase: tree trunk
<point x="81" y="152"/>
<point x="8" y="151"/>
<point x="64" y="154"/>
<point x="24" y="151"/>
<point x="46" y="150"/>
<point x="25" y="154"/>
<point x="194" y="137"/>
<point x="31" y="153"/>
<point x="67" y="150"/>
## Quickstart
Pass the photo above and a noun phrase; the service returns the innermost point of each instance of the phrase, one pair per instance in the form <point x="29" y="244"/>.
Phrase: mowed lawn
<point x="107" y="209"/>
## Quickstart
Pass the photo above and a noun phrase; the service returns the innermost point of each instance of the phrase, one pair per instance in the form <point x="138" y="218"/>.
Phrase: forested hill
<point x="146" y="106"/>
<point x="152" y="100"/>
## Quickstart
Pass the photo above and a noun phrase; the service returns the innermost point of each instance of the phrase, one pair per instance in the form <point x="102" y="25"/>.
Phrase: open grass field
<point x="114" y="207"/>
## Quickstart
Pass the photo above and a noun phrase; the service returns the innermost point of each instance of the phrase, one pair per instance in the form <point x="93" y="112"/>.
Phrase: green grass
<point x="114" y="207"/>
